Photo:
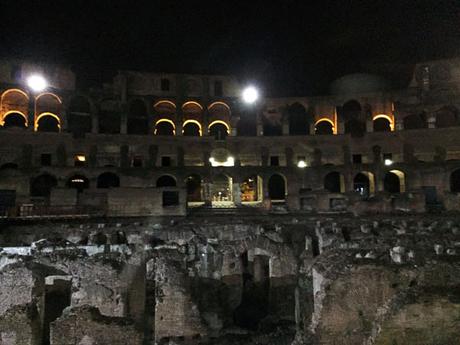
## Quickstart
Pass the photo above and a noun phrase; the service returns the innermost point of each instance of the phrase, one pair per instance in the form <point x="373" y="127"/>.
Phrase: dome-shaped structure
<point x="358" y="83"/>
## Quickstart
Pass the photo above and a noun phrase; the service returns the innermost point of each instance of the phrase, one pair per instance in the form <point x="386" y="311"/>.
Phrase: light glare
<point x="250" y="94"/>
<point x="302" y="164"/>
<point x="37" y="83"/>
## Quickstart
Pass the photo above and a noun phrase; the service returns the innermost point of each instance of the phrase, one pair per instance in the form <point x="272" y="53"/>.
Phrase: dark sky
<point x="288" y="47"/>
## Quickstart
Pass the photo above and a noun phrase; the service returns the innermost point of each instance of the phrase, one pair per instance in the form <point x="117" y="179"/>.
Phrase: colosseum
<point x="163" y="209"/>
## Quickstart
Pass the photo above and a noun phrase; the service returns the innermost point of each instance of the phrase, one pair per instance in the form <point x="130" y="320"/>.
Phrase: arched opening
<point x="334" y="182"/>
<point x="219" y="130"/>
<point x="15" y="120"/>
<point x="222" y="188"/>
<point x="351" y="113"/>
<point x="251" y="189"/>
<point x="415" y="121"/>
<point x="447" y="117"/>
<point x="272" y="129"/>
<point x="382" y="124"/>
<point x="48" y="123"/>
<point x="194" y="190"/>
<point x="364" y="184"/>
<point x="137" y="117"/>
<point x="109" y="117"/>
<point x="78" y="182"/>
<point x="14" y="101"/>
<point x="299" y="120"/>
<point x="455" y="181"/>
<point x="324" y="127"/>
<point x="277" y="188"/>
<point x="166" y="181"/>
<point x="394" y="182"/>
<point x="42" y="185"/>
<point x="79" y="116"/>
<point x="108" y="180"/>
<point x="165" y="127"/>
<point x="192" y="128"/>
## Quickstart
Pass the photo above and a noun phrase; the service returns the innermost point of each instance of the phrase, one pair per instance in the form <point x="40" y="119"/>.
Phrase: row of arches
<point x="364" y="182"/>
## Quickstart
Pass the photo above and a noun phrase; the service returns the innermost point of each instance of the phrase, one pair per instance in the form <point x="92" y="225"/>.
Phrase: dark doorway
<point x="48" y="123"/>
<point x="391" y="183"/>
<point x="193" y="184"/>
<point x="108" y="180"/>
<point x="333" y="182"/>
<point x="41" y="186"/>
<point x="14" y="120"/>
<point x="57" y="298"/>
<point x="277" y="187"/>
<point x="455" y="181"/>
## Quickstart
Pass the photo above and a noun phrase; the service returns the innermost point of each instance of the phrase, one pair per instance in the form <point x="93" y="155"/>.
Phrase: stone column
<point x="369" y="125"/>
<point x="236" y="192"/>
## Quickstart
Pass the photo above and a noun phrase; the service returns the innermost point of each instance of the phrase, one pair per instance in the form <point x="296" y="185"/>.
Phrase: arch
<point x="415" y="121"/>
<point x="165" y="127"/>
<point x="192" y="128"/>
<point x="191" y="103"/>
<point x="222" y="188"/>
<point x="14" y="90"/>
<point x="14" y="119"/>
<point x="42" y="185"/>
<point x="219" y="103"/>
<point x="364" y="183"/>
<point x="108" y="180"/>
<point x="394" y="182"/>
<point x="334" y="182"/>
<point x="47" y="122"/>
<point x="447" y="117"/>
<point x="164" y="101"/>
<point x="455" y="181"/>
<point x="299" y="120"/>
<point x="277" y="187"/>
<point x="383" y="123"/>
<point x="14" y="101"/>
<point x="193" y="184"/>
<point x="251" y="189"/>
<point x="324" y="127"/>
<point x="109" y="117"/>
<point x="219" y="129"/>
<point x="137" y="121"/>
<point x="79" y="115"/>
<point x="78" y="182"/>
<point x="351" y="113"/>
<point x="44" y="94"/>
<point x="166" y="181"/>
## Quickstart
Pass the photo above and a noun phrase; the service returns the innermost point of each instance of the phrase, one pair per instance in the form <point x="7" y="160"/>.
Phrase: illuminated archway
<point x="47" y="122"/>
<point x="78" y="182"/>
<point x="219" y="129"/>
<point x="364" y="183"/>
<point x="14" y="118"/>
<point x="394" y="182"/>
<point x="192" y="128"/>
<point x="14" y="101"/>
<point x="191" y="103"/>
<point x="251" y="189"/>
<point x="222" y="188"/>
<point x="159" y="103"/>
<point x="219" y="103"/>
<point x="324" y="126"/>
<point x="165" y="127"/>
<point x="383" y="123"/>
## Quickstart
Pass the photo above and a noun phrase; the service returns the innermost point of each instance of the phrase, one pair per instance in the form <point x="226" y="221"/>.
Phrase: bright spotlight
<point x="388" y="162"/>
<point x="302" y="164"/>
<point x="37" y="83"/>
<point x="250" y="94"/>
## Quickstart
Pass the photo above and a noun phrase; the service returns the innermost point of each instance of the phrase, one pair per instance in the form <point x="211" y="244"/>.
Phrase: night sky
<point x="287" y="47"/>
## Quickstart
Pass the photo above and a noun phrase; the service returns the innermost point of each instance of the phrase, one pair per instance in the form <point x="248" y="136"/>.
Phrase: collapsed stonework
<point x="279" y="279"/>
